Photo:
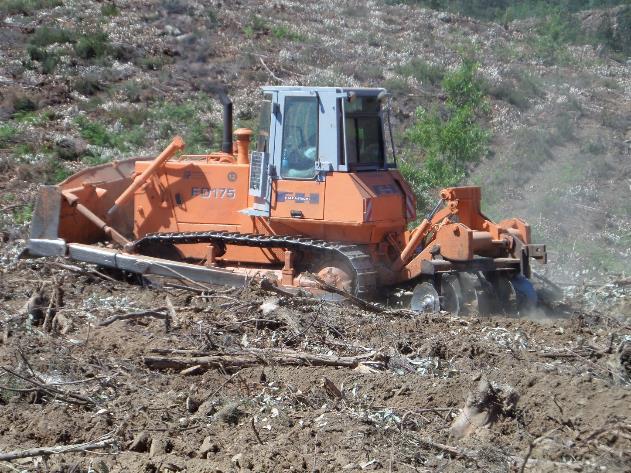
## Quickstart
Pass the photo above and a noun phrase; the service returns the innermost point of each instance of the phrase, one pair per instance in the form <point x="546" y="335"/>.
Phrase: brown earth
<point x="390" y="413"/>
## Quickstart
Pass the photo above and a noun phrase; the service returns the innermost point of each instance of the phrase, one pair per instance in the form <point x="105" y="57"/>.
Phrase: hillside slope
<point x="83" y="81"/>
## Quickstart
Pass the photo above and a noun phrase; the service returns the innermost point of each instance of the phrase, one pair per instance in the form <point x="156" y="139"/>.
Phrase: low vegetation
<point x="26" y="7"/>
<point x="124" y="129"/>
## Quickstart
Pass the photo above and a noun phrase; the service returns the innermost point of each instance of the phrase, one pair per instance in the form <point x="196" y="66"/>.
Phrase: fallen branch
<point x="45" y="451"/>
<point x="244" y="359"/>
<point x="274" y="76"/>
<point x="155" y="313"/>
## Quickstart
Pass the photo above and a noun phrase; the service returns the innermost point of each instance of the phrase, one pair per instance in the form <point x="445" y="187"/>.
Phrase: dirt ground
<point x="271" y="383"/>
<point x="559" y="386"/>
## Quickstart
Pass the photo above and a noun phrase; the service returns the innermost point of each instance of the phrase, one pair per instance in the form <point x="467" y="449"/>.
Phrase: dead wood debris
<point x="56" y="450"/>
<point x="246" y="358"/>
<point x="483" y="407"/>
<point x="38" y="385"/>
<point x="158" y="313"/>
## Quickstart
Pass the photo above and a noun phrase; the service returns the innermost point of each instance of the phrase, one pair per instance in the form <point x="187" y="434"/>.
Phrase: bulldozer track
<point x="357" y="256"/>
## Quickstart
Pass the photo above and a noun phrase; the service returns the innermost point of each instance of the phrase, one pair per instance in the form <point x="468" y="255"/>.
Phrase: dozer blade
<point x="139" y="264"/>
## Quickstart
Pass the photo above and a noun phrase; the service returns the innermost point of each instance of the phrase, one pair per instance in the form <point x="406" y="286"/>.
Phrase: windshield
<point x="364" y="132"/>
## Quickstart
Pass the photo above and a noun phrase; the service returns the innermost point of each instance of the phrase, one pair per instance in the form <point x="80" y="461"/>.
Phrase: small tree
<point x="451" y="139"/>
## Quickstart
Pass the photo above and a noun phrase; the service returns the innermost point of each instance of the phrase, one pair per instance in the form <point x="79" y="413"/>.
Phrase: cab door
<point x="299" y="185"/>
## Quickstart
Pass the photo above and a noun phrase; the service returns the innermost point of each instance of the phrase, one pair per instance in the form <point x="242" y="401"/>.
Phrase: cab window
<point x="299" y="148"/>
<point x="262" y="136"/>
<point x="364" y="133"/>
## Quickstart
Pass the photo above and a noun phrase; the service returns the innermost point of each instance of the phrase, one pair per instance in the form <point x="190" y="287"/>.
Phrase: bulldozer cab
<point x="305" y="133"/>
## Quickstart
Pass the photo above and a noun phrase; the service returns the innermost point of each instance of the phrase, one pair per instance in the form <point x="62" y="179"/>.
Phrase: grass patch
<point x="94" y="133"/>
<point x="46" y="36"/>
<point x="8" y="133"/>
<point x="129" y="128"/>
<point x="422" y="71"/>
<point x="518" y="88"/>
<point x="284" y="33"/>
<point x="257" y="26"/>
<point x="23" y="214"/>
<point x="505" y="11"/>
<point x="109" y="9"/>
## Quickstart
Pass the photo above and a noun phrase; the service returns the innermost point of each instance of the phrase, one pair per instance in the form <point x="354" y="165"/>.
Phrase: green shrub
<point x="448" y="144"/>
<point x="151" y="63"/>
<point x="422" y="71"/>
<point x="23" y="214"/>
<point x="464" y="88"/>
<point x="92" y="45"/>
<point x="24" y="104"/>
<point x="88" y="85"/>
<point x="48" y="60"/>
<point x="616" y="40"/>
<point x="622" y="36"/>
<point x="176" y="7"/>
<point x="213" y="17"/>
<point x="54" y="171"/>
<point x="595" y="147"/>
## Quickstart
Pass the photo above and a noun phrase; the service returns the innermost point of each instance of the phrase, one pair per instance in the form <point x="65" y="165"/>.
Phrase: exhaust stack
<point x="226" y="145"/>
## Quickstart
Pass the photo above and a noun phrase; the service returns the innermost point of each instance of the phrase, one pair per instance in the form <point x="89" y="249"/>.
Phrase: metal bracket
<point x="323" y="166"/>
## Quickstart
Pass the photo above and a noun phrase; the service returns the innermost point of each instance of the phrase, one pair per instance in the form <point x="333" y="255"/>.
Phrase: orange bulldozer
<point x="318" y="202"/>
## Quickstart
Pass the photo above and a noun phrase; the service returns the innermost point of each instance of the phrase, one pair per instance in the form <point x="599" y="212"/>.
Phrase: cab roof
<point x="357" y="90"/>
